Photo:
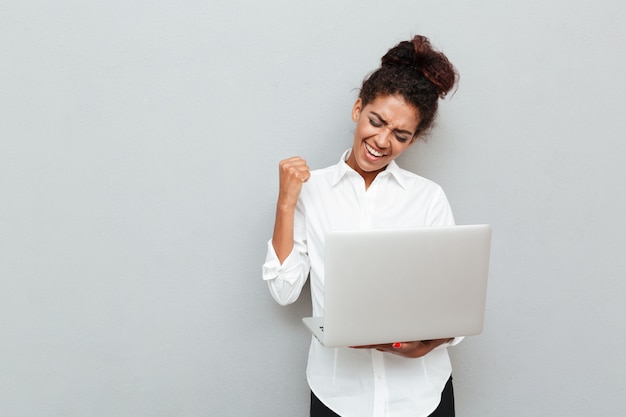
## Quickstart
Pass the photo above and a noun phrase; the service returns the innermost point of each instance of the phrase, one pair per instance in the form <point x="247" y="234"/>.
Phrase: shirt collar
<point x="392" y="170"/>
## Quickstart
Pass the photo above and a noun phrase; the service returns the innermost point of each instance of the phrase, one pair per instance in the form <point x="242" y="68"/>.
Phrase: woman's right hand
<point x="293" y="173"/>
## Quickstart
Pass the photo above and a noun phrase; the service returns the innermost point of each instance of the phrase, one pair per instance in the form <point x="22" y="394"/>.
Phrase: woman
<point x="397" y="104"/>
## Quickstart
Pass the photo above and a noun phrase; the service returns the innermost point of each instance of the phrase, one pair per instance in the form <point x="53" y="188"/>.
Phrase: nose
<point x="383" y="137"/>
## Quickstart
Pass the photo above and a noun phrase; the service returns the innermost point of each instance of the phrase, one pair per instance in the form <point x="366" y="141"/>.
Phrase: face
<point x="384" y="129"/>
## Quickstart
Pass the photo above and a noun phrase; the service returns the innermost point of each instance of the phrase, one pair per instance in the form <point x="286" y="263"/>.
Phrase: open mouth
<point x="373" y="151"/>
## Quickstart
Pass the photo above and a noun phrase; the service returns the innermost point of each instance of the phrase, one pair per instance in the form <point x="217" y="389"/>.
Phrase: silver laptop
<point x="399" y="285"/>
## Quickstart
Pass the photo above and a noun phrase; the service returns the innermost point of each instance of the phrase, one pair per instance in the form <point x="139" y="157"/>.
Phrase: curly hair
<point x="418" y="73"/>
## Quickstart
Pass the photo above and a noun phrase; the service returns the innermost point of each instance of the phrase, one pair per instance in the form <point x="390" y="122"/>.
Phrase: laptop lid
<point x="396" y="285"/>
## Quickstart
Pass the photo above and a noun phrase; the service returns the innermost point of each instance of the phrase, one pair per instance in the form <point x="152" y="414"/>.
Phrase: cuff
<point x="272" y="268"/>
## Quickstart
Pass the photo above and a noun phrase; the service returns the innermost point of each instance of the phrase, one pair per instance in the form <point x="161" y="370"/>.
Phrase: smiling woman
<point x="367" y="189"/>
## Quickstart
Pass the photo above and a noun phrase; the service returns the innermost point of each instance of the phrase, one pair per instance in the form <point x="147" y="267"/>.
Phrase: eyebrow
<point x="383" y="121"/>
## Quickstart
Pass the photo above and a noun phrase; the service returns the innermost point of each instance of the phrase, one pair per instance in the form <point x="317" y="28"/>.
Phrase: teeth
<point x="372" y="151"/>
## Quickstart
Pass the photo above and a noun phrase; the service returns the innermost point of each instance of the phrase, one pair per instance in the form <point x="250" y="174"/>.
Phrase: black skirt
<point x="444" y="409"/>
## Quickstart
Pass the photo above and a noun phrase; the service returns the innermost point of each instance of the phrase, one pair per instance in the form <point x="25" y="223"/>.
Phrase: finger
<point x="301" y="172"/>
<point x="295" y="158"/>
<point x="293" y="161"/>
<point x="294" y="166"/>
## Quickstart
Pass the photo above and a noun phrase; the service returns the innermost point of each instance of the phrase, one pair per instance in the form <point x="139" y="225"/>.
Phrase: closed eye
<point x="401" y="138"/>
<point x="401" y="135"/>
<point x="375" y="123"/>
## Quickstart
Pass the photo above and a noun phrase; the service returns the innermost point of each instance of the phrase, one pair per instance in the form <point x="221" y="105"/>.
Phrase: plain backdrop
<point x="139" y="144"/>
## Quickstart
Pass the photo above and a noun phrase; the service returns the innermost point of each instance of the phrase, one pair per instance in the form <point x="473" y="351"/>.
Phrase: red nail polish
<point x="397" y="345"/>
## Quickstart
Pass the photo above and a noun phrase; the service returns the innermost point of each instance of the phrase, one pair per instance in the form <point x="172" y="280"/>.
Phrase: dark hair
<point x="415" y="71"/>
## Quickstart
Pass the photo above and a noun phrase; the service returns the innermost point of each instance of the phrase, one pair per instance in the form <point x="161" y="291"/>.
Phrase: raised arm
<point x="286" y="269"/>
<point x="293" y="173"/>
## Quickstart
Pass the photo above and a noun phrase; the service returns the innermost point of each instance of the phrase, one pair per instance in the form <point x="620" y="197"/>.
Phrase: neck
<point x="368" y="176"/>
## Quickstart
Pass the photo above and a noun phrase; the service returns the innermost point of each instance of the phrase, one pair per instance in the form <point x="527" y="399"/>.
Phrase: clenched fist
<point x="293" y="173"/>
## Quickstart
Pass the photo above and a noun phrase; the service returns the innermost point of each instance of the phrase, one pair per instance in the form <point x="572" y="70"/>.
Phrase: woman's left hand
<point x="415" y="349"/>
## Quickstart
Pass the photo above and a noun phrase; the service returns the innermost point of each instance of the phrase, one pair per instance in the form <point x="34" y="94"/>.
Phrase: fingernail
<point x="397" y="345"/>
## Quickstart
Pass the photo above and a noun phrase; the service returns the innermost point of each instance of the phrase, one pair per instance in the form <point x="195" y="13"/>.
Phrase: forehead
<point x="395" y="111"/>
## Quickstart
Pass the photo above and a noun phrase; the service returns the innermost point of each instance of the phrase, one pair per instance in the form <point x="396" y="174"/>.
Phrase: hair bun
<point x="421" y="56"/>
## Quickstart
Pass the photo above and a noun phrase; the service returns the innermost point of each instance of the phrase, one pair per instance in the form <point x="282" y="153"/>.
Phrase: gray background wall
<point x="138" y="176"/>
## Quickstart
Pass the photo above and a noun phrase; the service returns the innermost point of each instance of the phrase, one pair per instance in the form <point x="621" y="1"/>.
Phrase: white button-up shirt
<point x="361" y="382"/>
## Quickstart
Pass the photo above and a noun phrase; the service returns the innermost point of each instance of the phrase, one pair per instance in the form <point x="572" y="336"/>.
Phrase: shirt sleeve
<point x="455" y="341"/>
<point x="440" y="212"/>
<point x="285" y="281"/>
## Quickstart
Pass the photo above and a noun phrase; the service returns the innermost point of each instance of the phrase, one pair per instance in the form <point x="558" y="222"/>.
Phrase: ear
<point x="356" y="110"/>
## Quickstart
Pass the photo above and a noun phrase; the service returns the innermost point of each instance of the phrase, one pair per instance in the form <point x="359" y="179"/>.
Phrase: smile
<point x="372" y="151"/>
